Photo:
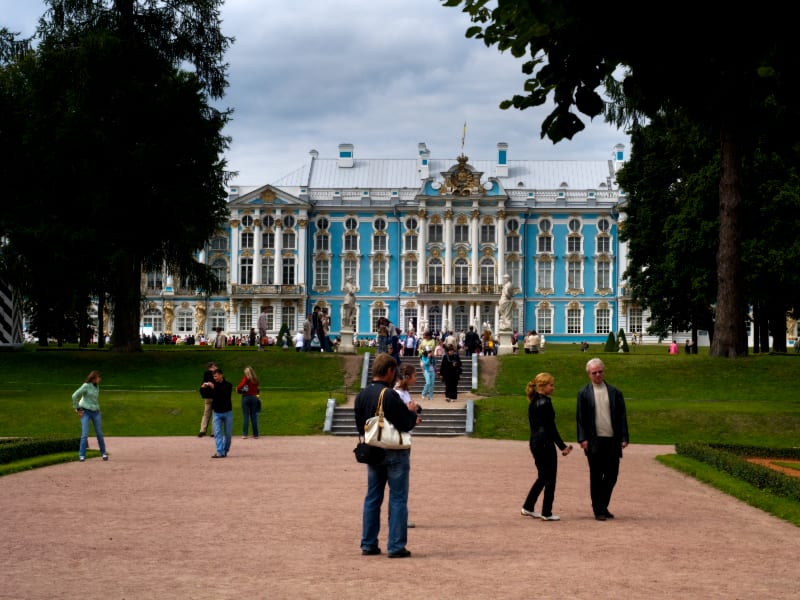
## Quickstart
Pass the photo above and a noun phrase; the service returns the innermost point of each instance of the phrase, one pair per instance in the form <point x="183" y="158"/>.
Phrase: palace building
<point x="427" y="242"/>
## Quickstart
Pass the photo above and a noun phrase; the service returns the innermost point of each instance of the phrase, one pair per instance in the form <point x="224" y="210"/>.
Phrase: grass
<point x="750" y="401"/>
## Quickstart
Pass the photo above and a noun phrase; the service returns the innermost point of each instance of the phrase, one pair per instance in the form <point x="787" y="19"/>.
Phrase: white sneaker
<point x="105" y="456"/>
<point x="244" y="437"/>
<point x="81" y="458"/>
<point x="550" y="518"/>
<point x="527" y="513"/>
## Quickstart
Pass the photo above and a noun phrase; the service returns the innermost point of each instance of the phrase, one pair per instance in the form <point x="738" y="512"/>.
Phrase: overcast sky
<point x="383" y="75"/>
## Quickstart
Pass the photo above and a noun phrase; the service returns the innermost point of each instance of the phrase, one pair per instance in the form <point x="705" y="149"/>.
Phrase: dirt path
<point x="280" y="518"/>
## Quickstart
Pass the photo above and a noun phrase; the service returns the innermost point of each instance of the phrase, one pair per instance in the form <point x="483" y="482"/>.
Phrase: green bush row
<point x="22" y="448"/>
<point x="731" y="458"/>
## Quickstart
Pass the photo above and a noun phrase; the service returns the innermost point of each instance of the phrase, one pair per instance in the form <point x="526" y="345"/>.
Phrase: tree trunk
<point x="730" y="310"/>
<point x="777" y="327"/>
<point x="126" y="306"/>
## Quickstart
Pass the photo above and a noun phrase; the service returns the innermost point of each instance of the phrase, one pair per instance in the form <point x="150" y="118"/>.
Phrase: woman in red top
<point x="251" y="403"/>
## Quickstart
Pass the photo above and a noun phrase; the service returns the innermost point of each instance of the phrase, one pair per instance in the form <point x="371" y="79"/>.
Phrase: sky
<point x="383" y="75"/>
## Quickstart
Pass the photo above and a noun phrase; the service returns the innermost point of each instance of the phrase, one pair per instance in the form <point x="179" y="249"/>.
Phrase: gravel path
<point x="280" y="518"/>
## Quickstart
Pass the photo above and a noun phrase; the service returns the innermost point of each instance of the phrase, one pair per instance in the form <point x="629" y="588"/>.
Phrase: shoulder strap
<point x="379" y="408"/>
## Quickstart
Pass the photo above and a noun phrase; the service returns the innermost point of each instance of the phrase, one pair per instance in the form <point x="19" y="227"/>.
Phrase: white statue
<point x="506" y="303"/>
<point x="349" y="304"/>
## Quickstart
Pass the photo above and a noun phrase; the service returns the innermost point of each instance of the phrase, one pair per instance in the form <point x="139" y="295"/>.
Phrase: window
<point x="603" y="275"/>
<point x="351" y="242"/>
<point x="246" y="271"/>
<point x="512" y="243"/>
<point x="461" y="272"/>
<point x="380" y="225"/>
<point x="350" y="224"/>
<point x="289" y="317"/>
<point x="514" y="269"/>
<point x="410" y="242"/>
<point x="603" y="244"/>
<point x="635" y="319"/>
<point x="289" y="239"/>
<point x="379" y="242"/>
<point x="574" y="226"/>
<point x="544" y="320"/>
<point x="487" y="273"/>
<point x="435" y="272"/>
<point x="288" y="222"/>
<point x="462" y="233"/>
<point x="268" y="272"/>
<point x="270" y="312"/>
<point x="460" y="318"/>
<point x="268" y="240"/>
<point x="411" y="224"/>
<point x="152" y="318"/>
<point x="323" y="242"/>
<point x="288" y="271"/>
<point x="378" y="273"/>
<point x="322" y="223"/>
<point x="435" y="234"/>
<point x="545" y="245"/>
<point x="487" y="314"/>
<point x="574" y="320"/>
<point x="245" y="318"/>
<point x="247" y="221"/>
<point x="155" y="280"/>
<point x="435" y="318"/>
<point x="268" y="221"/>
<point x="247" y="239"/>
<point x="544" y="275"/>
<point x="322" y="273"/>
<point x="377" y="313"/>
<point x="603" y="225"/>
<point x="220" y="269"/>
<point x="216" y="319"/>
<point x="574" y="275"/>
<point x="574" y="244"/>
<point x="545" y="225"/>
<point x="184" y="321"/>
<point x="350" y="269"/>
<point x="410" y="272"/>
<point x="602" y="320"/>
<point x="219" y="243"/>
<point x="512" y="226"/>
<point x="487" y="233"/>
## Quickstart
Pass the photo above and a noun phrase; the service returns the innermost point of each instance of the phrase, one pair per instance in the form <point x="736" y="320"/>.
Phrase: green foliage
<point x="621" y="338"/>
<point x="284" y="338"/>
<point x="611" y="343"/>
<point x="23" y="448"/>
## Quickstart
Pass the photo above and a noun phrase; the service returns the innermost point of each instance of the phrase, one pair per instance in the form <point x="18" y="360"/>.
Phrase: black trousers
<point x="546" y="461"/>
<point x="603" y="473"/>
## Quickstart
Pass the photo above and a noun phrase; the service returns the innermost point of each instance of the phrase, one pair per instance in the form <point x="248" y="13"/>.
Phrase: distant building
<point x="427" y="242"/>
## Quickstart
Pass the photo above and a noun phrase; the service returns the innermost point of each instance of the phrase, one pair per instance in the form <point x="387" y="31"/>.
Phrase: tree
<point x="134" y="148"/>
<point x="576" y="48"/>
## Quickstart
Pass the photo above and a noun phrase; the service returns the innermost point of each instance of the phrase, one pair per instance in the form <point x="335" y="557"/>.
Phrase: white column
<point x="258" y="238"/>
<point x="302" y="236"/>
<point x="500" y="243"/>
<point x="234" y="231"/>
<point x="448" y="246"/>
<point x="422" y="249"/>
<point x="474" y="228"/>
<point x="278" y="248"/>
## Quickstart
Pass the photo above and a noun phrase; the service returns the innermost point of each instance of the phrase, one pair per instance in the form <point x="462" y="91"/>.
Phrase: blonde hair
<point x="406" y="372"/>
<point x="537" y="383"/>
<point x="251" y="375"/>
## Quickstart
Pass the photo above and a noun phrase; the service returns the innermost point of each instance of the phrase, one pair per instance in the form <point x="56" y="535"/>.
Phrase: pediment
<point x="268" y="195"/>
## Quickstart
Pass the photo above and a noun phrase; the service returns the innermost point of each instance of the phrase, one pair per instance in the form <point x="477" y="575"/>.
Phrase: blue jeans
<point x="223" y="431"/>
<point x="395" y="471"/>
<point x="250" y="413"/>
<point x="94" y="417"/>
<point x="427" y="390"/>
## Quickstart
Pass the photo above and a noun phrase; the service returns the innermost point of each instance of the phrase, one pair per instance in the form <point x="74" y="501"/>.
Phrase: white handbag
<point x="378" y="431"/>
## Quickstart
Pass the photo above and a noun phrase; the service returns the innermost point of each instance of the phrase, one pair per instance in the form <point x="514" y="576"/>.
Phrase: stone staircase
<point x="436" y="422"/>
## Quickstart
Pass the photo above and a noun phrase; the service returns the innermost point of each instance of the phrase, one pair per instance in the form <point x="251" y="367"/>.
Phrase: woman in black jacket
<point x="544" y="438"/>
<point x="450" y="371"/>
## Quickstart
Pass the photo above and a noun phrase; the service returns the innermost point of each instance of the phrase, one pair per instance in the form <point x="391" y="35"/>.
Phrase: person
<point x="688" y="346"/>
<point x="85" y="401"/>
<point x="450" y="371"/>
<point x="251" y="339"/>
<point x="349" y="305"/>
<point x="673" y="347"/>
<point x="410" y="344"/>
<point x="326" y="328"/>
<point x="544" y="435"/>
<point x="222" y="410"/>
<point x="602" y="424"/>
<point x="541" y="343"/>
<point x="299" y="341"/>
<point x="262" y="327"/>
<point x="427" y="364"/>
<point x="248" y="388"/>
<point x="471" y="341"/>
<point x="506" y="303"/>
<point x="307" y="335"/>
<point x="406" y="377"/>
<point x="206" y="393"/>
<point x="395" y="468"/>
<point x="427" y="342"/>
<point x="316" y="330"/>
<point x="383" y="334"/>
<point x="584" y="346"/>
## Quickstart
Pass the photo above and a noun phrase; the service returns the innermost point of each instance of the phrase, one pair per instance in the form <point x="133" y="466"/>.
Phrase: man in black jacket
<point x="602" y="433"/>
<point x="394" y="469"/>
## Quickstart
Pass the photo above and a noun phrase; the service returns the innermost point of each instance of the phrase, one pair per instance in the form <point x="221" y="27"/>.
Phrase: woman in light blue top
<point x="85" y="402"/>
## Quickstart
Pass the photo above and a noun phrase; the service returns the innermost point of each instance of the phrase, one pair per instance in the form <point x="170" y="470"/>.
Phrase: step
<point x="440" y="422"/>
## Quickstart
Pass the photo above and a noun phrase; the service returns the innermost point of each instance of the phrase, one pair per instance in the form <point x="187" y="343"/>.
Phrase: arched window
<point x="435" y="271"/>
